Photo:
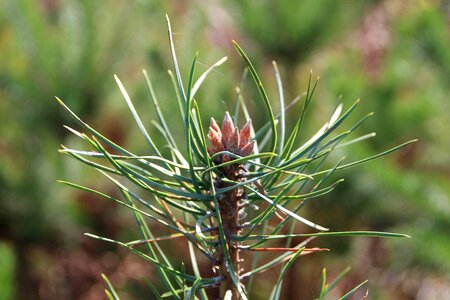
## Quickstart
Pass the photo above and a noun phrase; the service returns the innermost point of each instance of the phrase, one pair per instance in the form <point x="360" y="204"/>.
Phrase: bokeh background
<point x="394" y="55"/>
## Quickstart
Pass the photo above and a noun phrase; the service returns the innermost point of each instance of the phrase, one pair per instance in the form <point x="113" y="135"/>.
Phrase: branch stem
<point x="229" y="205"/>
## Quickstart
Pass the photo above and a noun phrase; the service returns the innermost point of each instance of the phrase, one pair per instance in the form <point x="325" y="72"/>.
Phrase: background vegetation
<point x="394" y="55"/>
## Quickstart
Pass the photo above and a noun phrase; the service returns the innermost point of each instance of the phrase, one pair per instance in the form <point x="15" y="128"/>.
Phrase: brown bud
<point x="244" y="135"/>
<point x="225" y="158"/>
<point x="215" y="141"/>
<point x="247" y="149"/>
<point x="214" y="126"/>
<point x="211" y="151"/>
<point x="227" y="130"/>
<point x="234" y="142"/>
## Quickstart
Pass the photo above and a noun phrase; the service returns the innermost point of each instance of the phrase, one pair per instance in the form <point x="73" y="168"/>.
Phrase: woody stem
<point x="229" y="211"/>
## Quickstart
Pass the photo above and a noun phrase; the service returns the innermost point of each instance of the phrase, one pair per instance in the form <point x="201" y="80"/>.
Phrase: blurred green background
<point x="394" y="55"/>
